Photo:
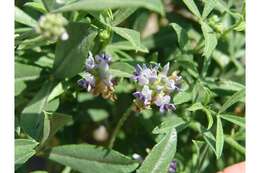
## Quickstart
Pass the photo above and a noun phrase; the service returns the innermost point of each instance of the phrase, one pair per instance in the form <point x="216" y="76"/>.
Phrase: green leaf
<point x="131" y="35"/>
<point x="121" y="14"/>
<point x="70" y="55"/>
<point x="125" y="45"/>
<point x="122" y="69"/>
<point x="208" y="7"/>
<point x="182" y="97"/>
<point x="234" y="119"/>
<point x="89" y="5"/>
<point x="23" y="18"/>
<point x="195" y="107"/>
<point x="199" y="106"/>
<point x="238" y="96"/>
<point x="211" y="40"/>
<point x="192" y="7"/>
<point x="95" y="159"/>
<point x="161" y="155"/>
<point x="229" y="140"/>
<point x="169" y="123"/>
<point x="57" y="91"/>
<point x="210" y="140"/>
<point x="37" y="6"/>
<point x="97" y="114"/>
<point x="181" y="35"/>
<point x="227" y="85"/>
<point x="51" y="5"/>
<point x="24" y="150"/>
<point x="219" y="138"/>
<point x="53" y="122"/>
<point x="24" y="72"/>
<point x="32" y="118"/>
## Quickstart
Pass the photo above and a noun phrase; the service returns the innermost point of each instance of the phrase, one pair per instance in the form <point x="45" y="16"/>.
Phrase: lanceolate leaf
<point x="23" y="18"/>
<point x="192" y="7"/>
<point x="155" y="5"/>
<point x="199" y="106"/>
<point x="32" y="118"/>
<point x="92" y="159"/>
<point x="237" y="97"/>
<point x="52" y="123"/>
<point x="234" y="119"/>
<point x="210" y="39"/>
<point x="229" y="140"/>
<point x="24" y="149"/>
<point x="121" y="14"/>
<point x="70" y="55"/>
<point x="131" y="35"/>
<point x="169" y="123"/>
<point x="219" y="138"/>
<point x="208" y="7"/>
<point x="161" y="155"/>
<point x="181" y="34"/>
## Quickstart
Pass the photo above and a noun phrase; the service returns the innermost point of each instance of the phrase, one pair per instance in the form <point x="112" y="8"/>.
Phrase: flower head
<point x="98" y="80"/>
<point x="52" y="27"/>
<point x="155" y="87"/>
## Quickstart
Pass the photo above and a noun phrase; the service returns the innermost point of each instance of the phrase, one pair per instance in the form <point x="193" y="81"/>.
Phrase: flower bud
<point x="52" y="27"/>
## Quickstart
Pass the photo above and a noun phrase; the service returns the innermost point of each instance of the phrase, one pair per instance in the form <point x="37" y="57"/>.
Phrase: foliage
<point x="61" y="127"/>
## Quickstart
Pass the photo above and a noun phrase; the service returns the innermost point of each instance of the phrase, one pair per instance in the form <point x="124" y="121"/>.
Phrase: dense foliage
<point x="85" y="101"/>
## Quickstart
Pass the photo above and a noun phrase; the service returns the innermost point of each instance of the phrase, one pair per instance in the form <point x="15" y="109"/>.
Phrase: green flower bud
<point x="104" y="35"/>
<point x="52" y="27"/>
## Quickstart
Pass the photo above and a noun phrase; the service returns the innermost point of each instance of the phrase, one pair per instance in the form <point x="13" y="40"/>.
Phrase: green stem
<point x="203" y="156"/>
<point x="119" y="126"/>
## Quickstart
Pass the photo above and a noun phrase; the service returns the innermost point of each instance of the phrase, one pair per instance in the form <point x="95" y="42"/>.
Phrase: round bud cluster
<point x="97" y="78"/>
<point x="52" y="27"/>
<point x="216" y="24"/>
<point x="154" y="87"/>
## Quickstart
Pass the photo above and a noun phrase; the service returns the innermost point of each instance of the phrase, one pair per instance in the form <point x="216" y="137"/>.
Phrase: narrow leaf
<point x="89" y="159"/>
<point x="181" y="35"/>
<point x="161" y="155"/>
<point x="52" y="123"/>
<point x="234" y="119"/>
<point x="70" y="55"/>
<point x="32" y="118"/>
<point x="219" y="138"/>
<point x="237" y="97"/>
<point x="211" y="40"/>
<point x="169" y="123"/>
<point x="88" y="5"/>
<point x="192" y="7"/>
<point x="229" y="140"/>
<point x="24" y="150"/>
<point x="121" y="14"/>
<point x="23" y="18"/>
<point x="131" y="35"/>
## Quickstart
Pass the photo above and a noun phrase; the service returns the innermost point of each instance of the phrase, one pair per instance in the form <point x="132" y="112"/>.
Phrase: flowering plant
<point x="116" y="86"/>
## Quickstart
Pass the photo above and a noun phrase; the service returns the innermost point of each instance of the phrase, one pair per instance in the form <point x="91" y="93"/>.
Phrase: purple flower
<point x="103" y="58"/>
<point x="144" y="96"/>
<point x="144" y="75"/>
<point x="88" y="82"/>
<point x="172" y="167"/>
<point x="90" y="62"/>
<point x="165" y="69"/>
<point x="164" y="103"/>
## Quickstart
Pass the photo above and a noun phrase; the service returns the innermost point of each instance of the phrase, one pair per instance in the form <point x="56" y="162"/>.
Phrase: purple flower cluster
<point x="155" y="87"/>
<point x="97" y="78"/>
<point x="172" y="167"/>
